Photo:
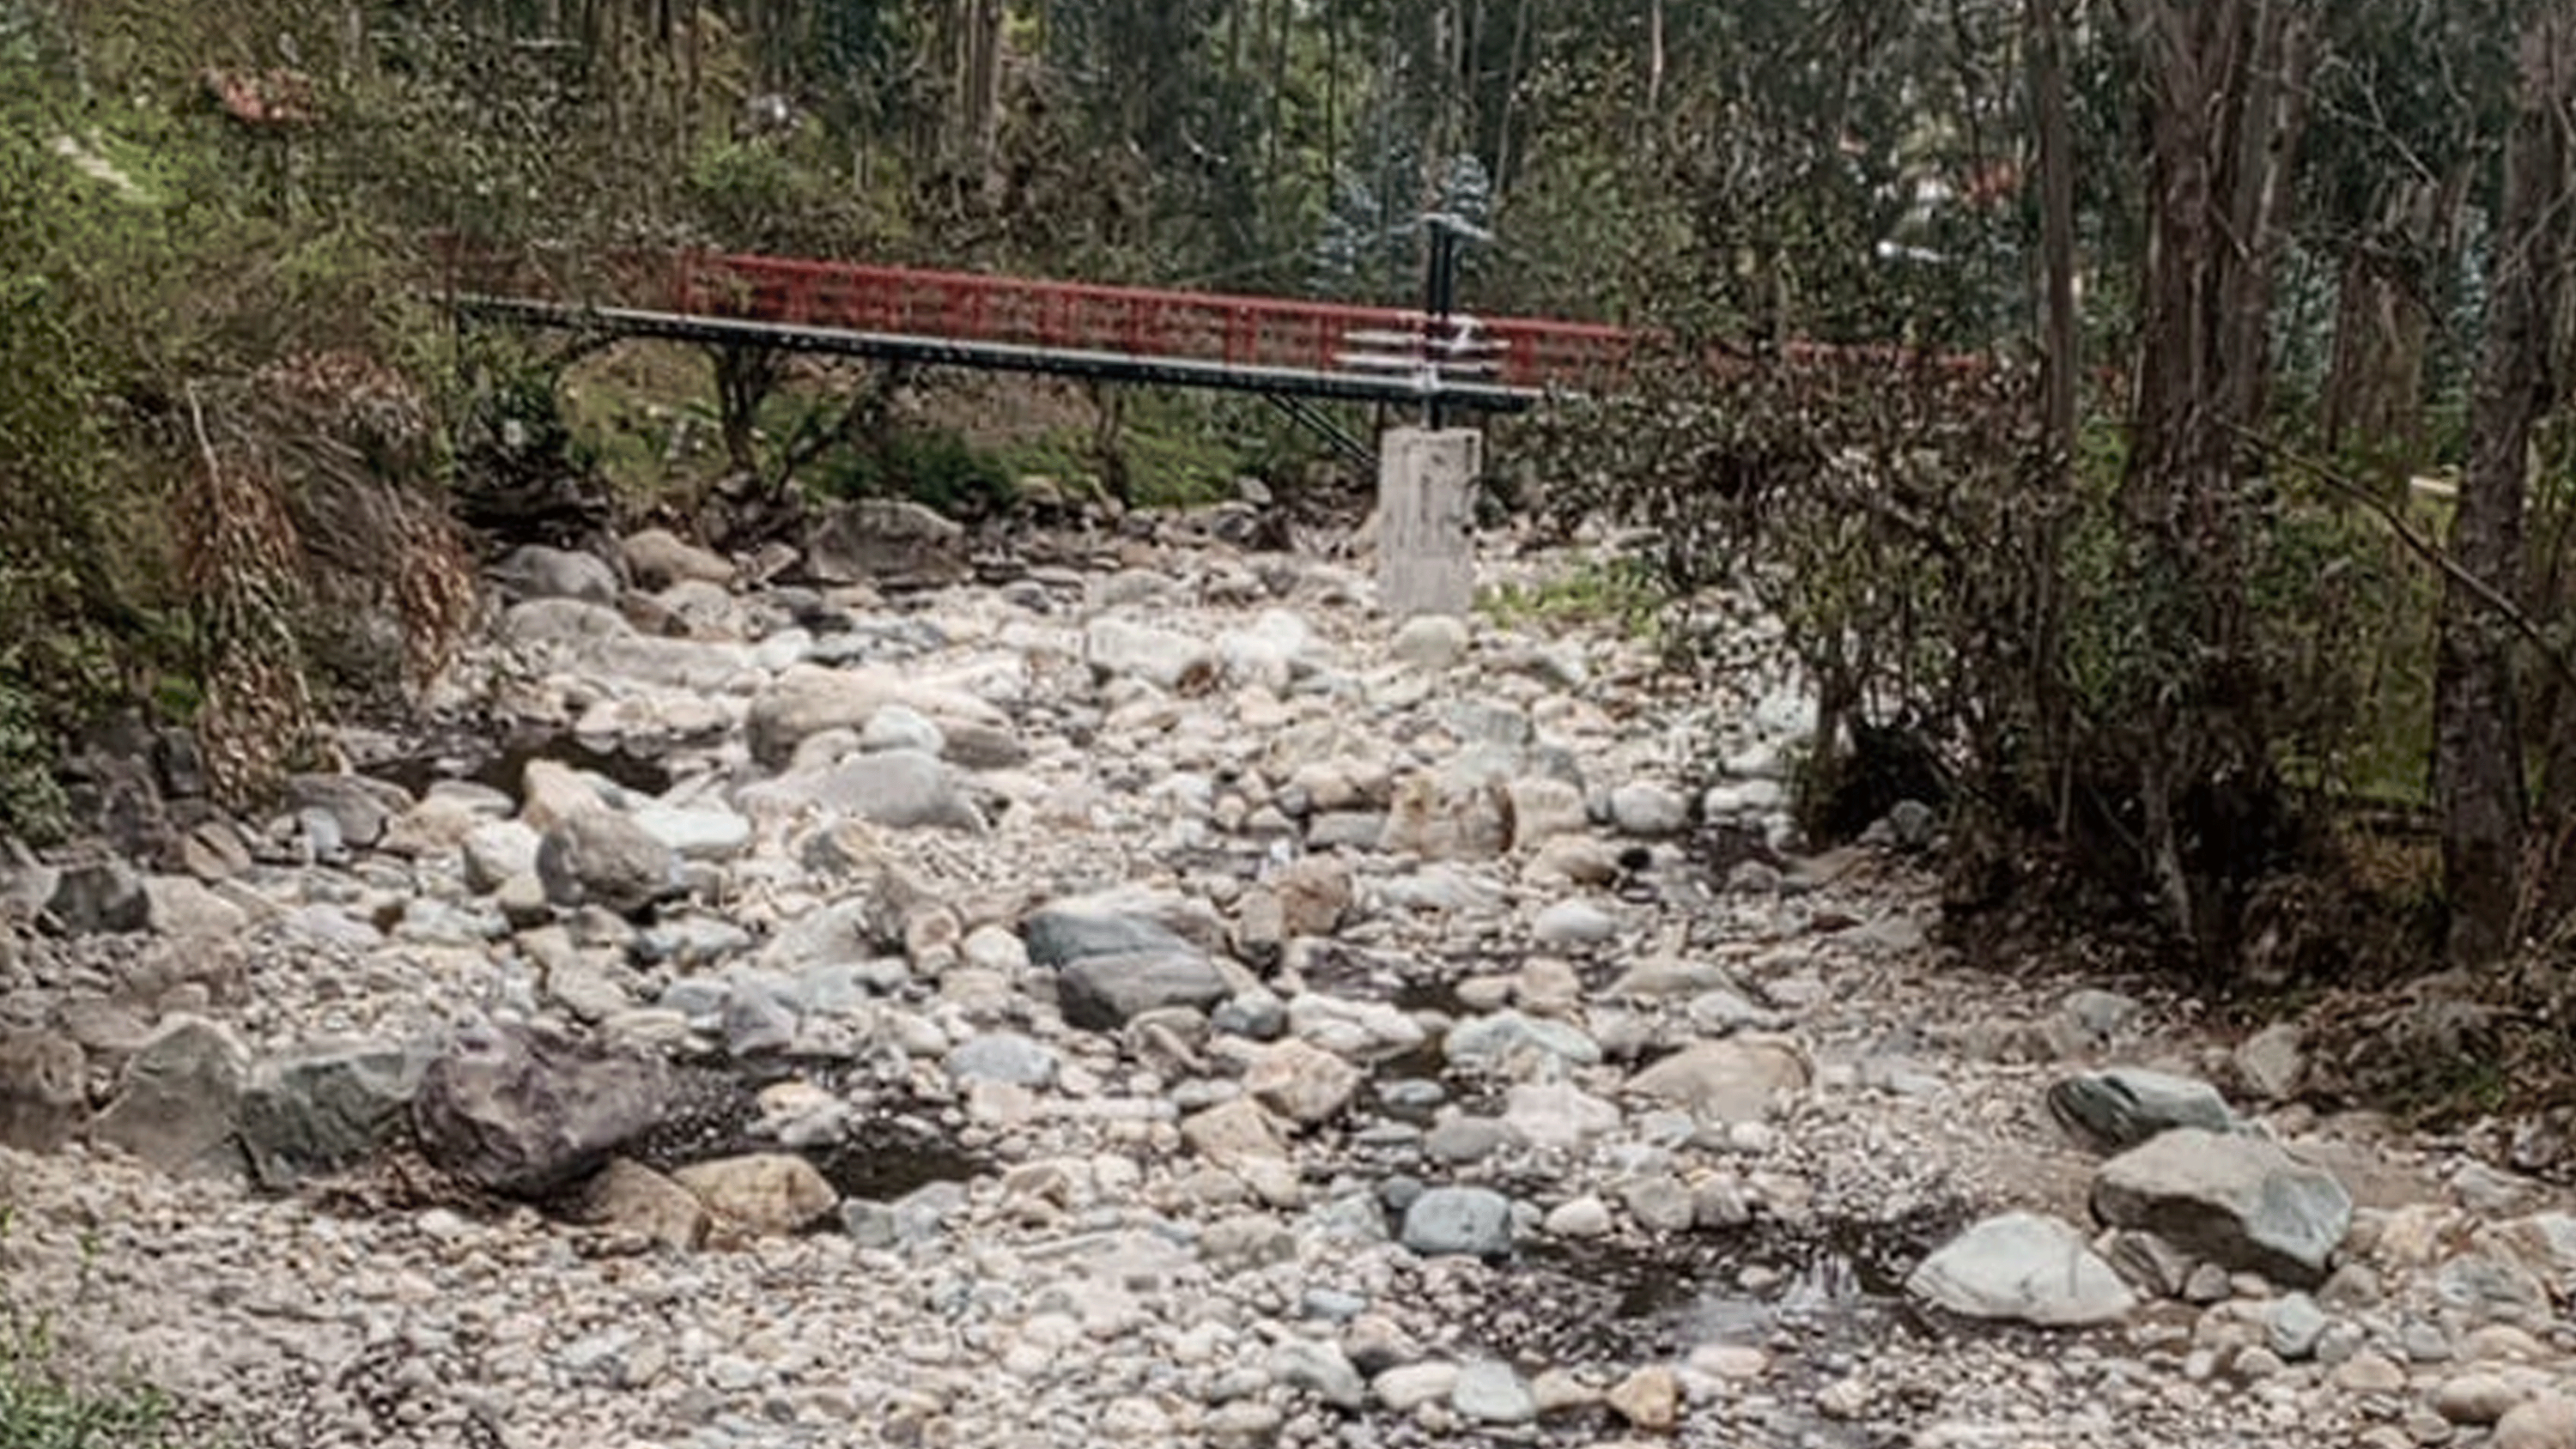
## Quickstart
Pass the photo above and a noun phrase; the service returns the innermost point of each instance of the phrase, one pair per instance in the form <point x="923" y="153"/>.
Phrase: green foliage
<point x="1624" y="593"/>
<point x="932" y="466"/>
<point x="44" y="1405"/>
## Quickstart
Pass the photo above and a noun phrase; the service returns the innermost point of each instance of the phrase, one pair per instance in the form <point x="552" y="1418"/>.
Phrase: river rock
<point x="1649" y="1398"/>
<point x="1171" y="661"/>
<point x="180" y="1101"/>
<point x="2545" y="1422"/>
<point x="326" y="1108"/>
<point x="1473" y="1221"/>
<point x="1495" y="1042"/>
<point x="1449" y="815"/>
<point x="1104" y="992"/>
<point x="656" y="559"/>
<point x="766" y="1194"/>
<point x="523" y="1113"/>
<point x="2026" y="1268"/>
<point x="1002" y="1056"/>
<point x="1733" y="1080"/>
<point x="99" y="897"/>
<point x="2236" y="1200"/>
<point x="1645" y="808"/>
<point x="181" y="906"/>
<point x="890" y="542"/>
<point x="1489" y="1391"/>
<point x="43" y="1090"/>
<point x="1430" y="642"/>
<point x="899" y="789"/>
<point x="599" y="857"/>
<point x="360" y="806"/>
<point x="2115" y="1110"/>
<point x="809" y="699"/>
<point x="1540" y="808"/>
<point x="535" y="571"/>
<point x="1321" y="1368"/>
<point x="1301" y="1082"/>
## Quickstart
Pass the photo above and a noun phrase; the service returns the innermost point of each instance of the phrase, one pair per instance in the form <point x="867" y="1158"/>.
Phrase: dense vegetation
<point x="2124" y="529"/>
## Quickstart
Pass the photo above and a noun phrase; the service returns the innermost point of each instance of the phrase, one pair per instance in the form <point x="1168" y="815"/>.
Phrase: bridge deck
<point x="1280" y="346"/>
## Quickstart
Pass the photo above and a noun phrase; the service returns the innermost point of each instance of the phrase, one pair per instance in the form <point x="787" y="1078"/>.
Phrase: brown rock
<point x="762" y="1193"/>
<point x="1650" y="1399"/>
<point x="632" y="1198"/>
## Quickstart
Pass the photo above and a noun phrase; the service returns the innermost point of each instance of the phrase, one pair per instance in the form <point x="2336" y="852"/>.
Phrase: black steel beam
<point x="1001" y="356"/>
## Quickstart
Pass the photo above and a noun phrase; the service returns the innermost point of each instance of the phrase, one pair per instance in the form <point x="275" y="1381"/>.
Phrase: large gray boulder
<point x="2115" y="1110"/>
<point x="2236" y="1200"/>
<point x="2025" y="1268"/>
<point x="886" y="541"/>
<point x="599" y="857"/>
<point x="899" y="789"/>
<point x="1102" y="993"/>
<point x="180" y="1101"/>
<point x="327" y="1108"/>
<point x="527" y="1114"/>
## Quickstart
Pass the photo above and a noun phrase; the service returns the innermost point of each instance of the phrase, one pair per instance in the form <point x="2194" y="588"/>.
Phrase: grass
<point x="1618" y="592"/>
<point x="45" y="1403"/>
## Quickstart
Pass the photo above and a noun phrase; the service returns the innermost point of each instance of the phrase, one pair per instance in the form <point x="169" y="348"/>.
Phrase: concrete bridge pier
<point x="1426" y="509"/>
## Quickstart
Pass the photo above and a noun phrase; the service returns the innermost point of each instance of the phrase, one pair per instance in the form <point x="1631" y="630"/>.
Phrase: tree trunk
<point x="2225" y="84"/>
<point x="2062" y="361"/>
<point x="2477" y="764"/>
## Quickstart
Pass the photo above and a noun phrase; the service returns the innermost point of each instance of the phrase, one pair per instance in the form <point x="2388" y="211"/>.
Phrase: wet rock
<point x="1473" y="1221"/>
<point x="526" y="1114"/>
<point x="656" y="559"/>
<point x="2236" y="1200"/>
<point x="180" y="1101"/>
<point x="765" y="1194"/>
<point x="891" y="542"/>
<point x="599" y="857"/>
<point x="327" y="1108"/>
<point x="2026" y="1268"/>
<point x="534" y="571"/>
<point x="99" y="897"/>
<point x="1733" y="1080"/>
<point x="43" y="1090"/>
<point x="1171" y="661"/>
<point x="2115" y="1110"/>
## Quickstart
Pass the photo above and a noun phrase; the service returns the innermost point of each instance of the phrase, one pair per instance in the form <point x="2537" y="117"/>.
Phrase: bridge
<point x="1285" y="348"/>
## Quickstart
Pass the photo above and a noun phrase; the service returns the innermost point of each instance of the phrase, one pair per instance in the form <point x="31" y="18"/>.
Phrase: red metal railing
<point x="1242" y="331"/>
<point x="1248" y="332"/>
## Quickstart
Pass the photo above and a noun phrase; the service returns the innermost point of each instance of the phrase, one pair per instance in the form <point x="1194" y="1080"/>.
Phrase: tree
<point x="2478" y="764"/>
